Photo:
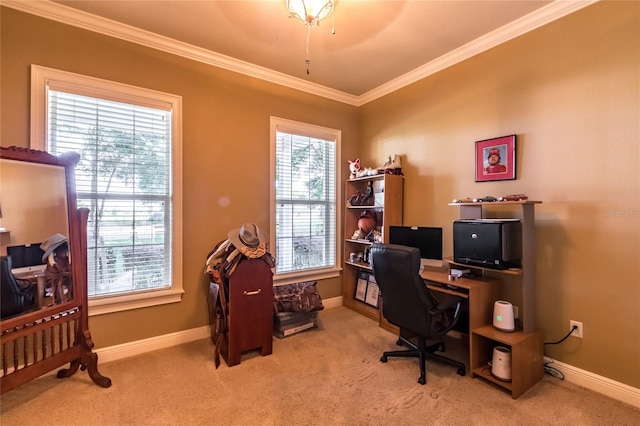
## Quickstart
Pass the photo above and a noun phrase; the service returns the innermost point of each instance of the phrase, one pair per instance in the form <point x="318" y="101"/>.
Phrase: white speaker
<point x="503" y="318"/>
<point x="501" y="363"/>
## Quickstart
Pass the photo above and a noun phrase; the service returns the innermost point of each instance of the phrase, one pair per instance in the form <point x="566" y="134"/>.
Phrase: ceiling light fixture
<point x="310" y="13"/>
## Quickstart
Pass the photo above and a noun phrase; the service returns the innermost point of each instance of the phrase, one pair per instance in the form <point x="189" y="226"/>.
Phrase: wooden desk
<point x="481" y="293"/>
<point x="41" y="282"/>
<point x="526" y="348"/>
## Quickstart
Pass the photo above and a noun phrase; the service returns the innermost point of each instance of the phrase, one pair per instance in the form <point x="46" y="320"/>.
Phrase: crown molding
<point x="67" y="15"/>
<point x="530" y="22"/>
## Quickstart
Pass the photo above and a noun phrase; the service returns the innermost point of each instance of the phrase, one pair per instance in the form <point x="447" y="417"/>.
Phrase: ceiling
<point x="378" y="46"/>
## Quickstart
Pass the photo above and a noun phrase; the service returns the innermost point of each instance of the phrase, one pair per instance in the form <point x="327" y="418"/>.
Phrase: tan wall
<point x="570" y="91"/>
<point x="225" y="145"/>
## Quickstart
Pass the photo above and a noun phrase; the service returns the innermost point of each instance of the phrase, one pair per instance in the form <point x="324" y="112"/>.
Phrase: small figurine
<point x="357" y="235"/>
<point x="367" y="171"/>
<point x="486" y="199"/>
<point x="354" y="200"/>
<point x="514" y="197"/>
<point x="369" y="198"/>
<point x="354" y="168"/>
<point x="392" y="166"/>
<point x="462" y="200"/>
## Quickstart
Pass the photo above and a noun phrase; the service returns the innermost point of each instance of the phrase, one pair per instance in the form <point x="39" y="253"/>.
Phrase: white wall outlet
<point x="515" y="312"/>
<point x="578" y="331"/>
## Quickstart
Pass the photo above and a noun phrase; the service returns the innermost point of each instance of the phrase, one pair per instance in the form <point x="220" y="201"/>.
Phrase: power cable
<point x="548" y="368"/>
<point x="575" y="327"/>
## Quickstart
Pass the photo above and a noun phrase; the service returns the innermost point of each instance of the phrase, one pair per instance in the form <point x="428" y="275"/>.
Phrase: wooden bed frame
<point x="41" y="340"/>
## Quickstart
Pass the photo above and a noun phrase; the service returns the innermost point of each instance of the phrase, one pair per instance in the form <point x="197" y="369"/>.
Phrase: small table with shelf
<point x="526" y="357"/>
<point x="526" y="344"/>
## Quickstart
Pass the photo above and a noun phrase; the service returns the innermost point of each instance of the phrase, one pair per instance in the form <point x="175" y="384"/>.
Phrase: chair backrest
<point x="406" y="300"/>
<point x="12" y="298"/>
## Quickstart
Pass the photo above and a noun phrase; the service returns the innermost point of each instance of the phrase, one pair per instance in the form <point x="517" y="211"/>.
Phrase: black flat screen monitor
<point x="26" y="258"/>
<point x="426" y="239"/>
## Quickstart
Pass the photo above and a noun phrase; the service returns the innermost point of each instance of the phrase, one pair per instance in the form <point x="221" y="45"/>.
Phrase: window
<point x="304" y="161"/>
<point x="128" y="177"/>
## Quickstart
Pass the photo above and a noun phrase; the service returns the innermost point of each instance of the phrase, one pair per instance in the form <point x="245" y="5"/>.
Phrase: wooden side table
<point x="527" y="367"/>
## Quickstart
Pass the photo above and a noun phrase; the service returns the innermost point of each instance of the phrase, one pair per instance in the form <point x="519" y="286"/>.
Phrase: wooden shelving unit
<point x="525" y="344"/>
<point x="388" y="190"/>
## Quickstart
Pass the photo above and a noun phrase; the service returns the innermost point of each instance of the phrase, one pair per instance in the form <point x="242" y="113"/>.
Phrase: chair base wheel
<point x="383" y="358"/>
<point x="461" y="371"/>
<point x="422" y="380"/>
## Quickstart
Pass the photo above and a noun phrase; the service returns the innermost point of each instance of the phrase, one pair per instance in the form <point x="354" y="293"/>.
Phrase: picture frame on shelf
<point x="496" y="159"/>
<point x="373" y="291"/>
<point x="362" y="279"/>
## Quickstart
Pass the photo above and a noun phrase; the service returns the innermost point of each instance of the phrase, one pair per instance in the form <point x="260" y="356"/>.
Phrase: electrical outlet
<point x="515" y="312"/>
<point x="578" y="331"/>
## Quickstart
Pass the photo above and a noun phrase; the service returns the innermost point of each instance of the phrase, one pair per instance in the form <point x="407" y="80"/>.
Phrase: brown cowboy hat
<point x="250" y="240"/>
<point x="51" y="244"/>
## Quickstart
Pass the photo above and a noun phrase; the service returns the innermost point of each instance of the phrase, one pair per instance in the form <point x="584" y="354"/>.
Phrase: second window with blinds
<point x="305" y="172"/>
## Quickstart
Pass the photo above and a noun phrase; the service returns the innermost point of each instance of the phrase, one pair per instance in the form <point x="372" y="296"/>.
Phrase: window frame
<point x="314" y="131"/>
<point x="41" y="79"/>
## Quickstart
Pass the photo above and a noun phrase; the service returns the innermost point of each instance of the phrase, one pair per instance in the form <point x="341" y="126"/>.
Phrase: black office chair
<point x="17" y="296"/>
<point x="408" y="304"/>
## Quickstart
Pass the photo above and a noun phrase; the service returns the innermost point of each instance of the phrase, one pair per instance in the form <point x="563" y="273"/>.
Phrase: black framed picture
<point x="362" y="280"/>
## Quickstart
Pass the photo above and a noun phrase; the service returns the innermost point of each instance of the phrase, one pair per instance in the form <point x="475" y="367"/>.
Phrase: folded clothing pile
<point x="295" y="308"/>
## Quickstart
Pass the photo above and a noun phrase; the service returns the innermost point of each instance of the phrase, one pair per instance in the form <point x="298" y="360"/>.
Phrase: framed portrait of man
<point x="496" y="159"/>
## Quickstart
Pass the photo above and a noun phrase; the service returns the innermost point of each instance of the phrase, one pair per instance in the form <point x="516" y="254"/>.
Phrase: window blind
<point x="124" y="179"/>
<point x="305" y="203"/>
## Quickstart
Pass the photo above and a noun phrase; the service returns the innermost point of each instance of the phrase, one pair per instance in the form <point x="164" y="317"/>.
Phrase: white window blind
<point x="124" y="178"/>
<point x="305" y="200"/>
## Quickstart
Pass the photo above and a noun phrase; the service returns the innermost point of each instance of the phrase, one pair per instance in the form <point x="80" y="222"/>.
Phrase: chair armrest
<point x="443" y="322"/>
<point x="25" y="285"/>
<point x="449" y="302"/>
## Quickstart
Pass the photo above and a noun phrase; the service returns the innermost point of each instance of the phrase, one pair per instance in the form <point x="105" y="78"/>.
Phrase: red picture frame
<point x="496" y="159"/>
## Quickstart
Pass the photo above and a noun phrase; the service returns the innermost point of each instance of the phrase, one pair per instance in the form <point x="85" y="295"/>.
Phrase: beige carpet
<point x="327" y="376"/>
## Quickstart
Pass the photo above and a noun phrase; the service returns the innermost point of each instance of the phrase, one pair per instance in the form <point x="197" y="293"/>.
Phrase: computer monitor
<point x="426" y="239"/>
<point x="26" y="259"/>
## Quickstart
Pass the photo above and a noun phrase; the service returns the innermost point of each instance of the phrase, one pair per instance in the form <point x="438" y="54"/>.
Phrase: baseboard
<point x="334" y="302"/>
<point x="596" y="383"/>
<point x="125" y="350"/>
